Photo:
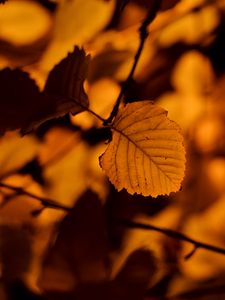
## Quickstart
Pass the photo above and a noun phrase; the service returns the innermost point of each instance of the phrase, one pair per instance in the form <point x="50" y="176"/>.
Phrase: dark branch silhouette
<point x="172" y="234"/>
<point x="46" y="202"/>
<point x="50" y="203"/>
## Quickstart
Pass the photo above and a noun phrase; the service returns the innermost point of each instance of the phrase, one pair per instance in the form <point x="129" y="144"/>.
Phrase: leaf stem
<point x="85" y="108"/>
<point x="143" y="31"/>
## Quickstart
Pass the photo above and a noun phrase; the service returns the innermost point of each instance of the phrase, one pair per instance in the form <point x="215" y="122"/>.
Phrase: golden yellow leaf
<point x="146" y="154"/>
<point x="192" y="77"/>
<point x="184" y="29"/>
<point x="24" y="22"/>
<point x="76" y="22"/>
<point x="66" y="169"/>
<point x="16" y="151"/>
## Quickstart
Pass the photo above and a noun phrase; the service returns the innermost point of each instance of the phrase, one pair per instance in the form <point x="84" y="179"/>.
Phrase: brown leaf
<point x="129" y="284"/>
<point x="65" y="81"/>
<point x="80" y="251"/>
<point x="63" y="91"/>
<point x="24" y="106"/>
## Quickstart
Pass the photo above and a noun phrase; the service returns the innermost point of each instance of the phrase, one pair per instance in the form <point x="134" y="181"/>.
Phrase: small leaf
<point x="146" y="154"/>
<point x="65" y="81"/>
<point x="63" y="91"/>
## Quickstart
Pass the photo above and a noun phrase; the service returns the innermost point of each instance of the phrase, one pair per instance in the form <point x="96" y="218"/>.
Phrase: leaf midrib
<point x="144" y="152"/>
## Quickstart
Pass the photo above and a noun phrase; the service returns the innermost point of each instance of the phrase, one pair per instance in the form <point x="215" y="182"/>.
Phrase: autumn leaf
<point x="24" y="24"/>
<point x="75" y="23"/>
<point x="146" y="154"/>
<point x="184" y="29"/>
<point x="80" y="259"/>
<point x="65" y="81"/>
<point x="24" y="106"/>
<point x="81" y="247"/>
<point x="63" y="91"/>
<point x="15" y="152"/>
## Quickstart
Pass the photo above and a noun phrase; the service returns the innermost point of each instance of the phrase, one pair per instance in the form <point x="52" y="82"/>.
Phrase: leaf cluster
<point x="125" y="88"/>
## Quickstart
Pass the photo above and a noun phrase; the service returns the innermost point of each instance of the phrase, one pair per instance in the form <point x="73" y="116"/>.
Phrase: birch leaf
<point x="146" y="154"/>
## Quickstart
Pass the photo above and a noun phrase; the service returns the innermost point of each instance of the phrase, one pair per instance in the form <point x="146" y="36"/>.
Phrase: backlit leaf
<point x="76" y="22"/>
<point x="184" y="29"/>
<point x="15" y="152"/>
<point x="24" y="23"/>
<point x="66" y="164"/>
<point x="146" y="154"/>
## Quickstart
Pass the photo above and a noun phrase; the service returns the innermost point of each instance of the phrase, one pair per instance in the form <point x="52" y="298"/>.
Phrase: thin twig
<point x="170" y="233"/>
<point x="206" y="291"/>
<point x="143" y="30"/>
<point x="50" y="203"/>
<point x="85" y="108"/>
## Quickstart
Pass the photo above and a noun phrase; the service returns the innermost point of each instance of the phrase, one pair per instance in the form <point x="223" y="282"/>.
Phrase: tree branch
<point x="170" y="233"/>
<point x="206" y="291"/>
<point x="50" y="203"/>
<point x="44" y="201"/>
<point x="143" y="36"/>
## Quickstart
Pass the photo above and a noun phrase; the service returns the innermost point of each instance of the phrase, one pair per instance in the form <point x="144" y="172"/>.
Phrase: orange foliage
<point x="63" y="64"/>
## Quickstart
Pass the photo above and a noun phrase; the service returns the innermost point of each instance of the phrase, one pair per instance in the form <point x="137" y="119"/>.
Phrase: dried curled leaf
<point x="65" y="81"/>
<point x="63" y="91"/>
<point x="24" y="106"/>
<point x="146" y="154"/>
